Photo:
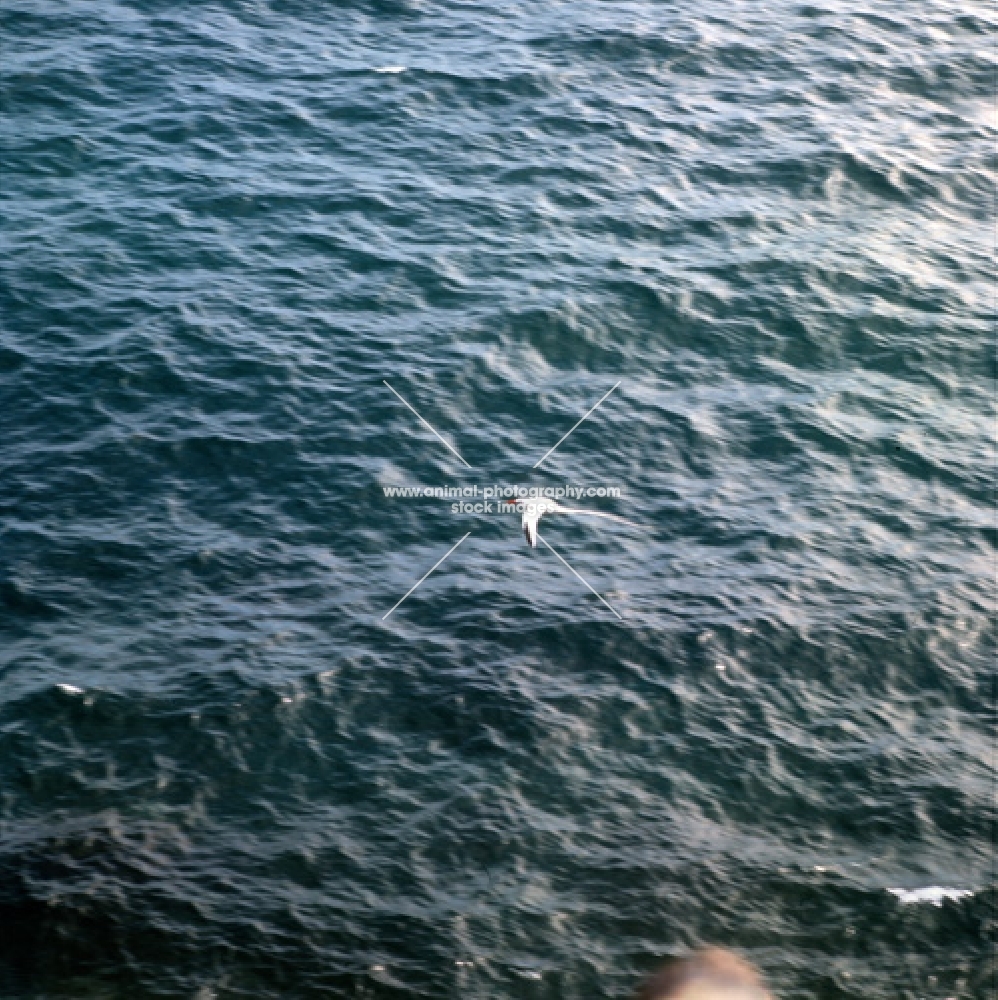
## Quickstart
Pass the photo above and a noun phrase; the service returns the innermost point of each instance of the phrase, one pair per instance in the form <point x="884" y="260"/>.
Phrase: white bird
<point x="534" y="510"/>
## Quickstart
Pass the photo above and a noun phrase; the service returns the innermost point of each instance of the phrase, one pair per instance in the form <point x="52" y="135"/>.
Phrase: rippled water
<point x="223" y="773"/>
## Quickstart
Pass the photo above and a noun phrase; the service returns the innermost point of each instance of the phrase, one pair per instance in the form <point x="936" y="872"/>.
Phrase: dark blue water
<point x="223" y="772"/>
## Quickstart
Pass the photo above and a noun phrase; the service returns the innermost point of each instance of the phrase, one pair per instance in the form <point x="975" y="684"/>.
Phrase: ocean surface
<point x="261" y="263"/>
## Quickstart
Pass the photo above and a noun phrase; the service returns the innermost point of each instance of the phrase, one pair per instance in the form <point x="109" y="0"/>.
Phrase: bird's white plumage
<point x="534" y="510"/>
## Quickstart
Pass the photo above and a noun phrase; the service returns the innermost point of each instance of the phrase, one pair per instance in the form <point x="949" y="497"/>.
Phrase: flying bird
<point x="534" y="510"/>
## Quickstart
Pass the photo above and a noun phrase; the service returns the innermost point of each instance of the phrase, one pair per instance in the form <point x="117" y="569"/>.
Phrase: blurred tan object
<point x="712" y="974"/>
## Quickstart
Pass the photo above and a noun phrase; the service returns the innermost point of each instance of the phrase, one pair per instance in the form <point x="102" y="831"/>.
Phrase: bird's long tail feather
<point x="595" y="513"/>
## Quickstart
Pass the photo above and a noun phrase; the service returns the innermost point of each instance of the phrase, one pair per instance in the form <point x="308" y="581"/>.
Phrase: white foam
<point x="934" y="894"/>
<point x="69" y="689"/>
<point x="390" y="69"/>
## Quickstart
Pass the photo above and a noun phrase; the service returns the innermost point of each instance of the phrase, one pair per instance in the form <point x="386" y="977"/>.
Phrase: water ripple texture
<point x="225" y="226"/>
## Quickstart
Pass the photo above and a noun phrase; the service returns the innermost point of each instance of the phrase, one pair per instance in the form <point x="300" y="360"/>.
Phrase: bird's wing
<point x="530" y="526"/>
<point x="595" y="513"/>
